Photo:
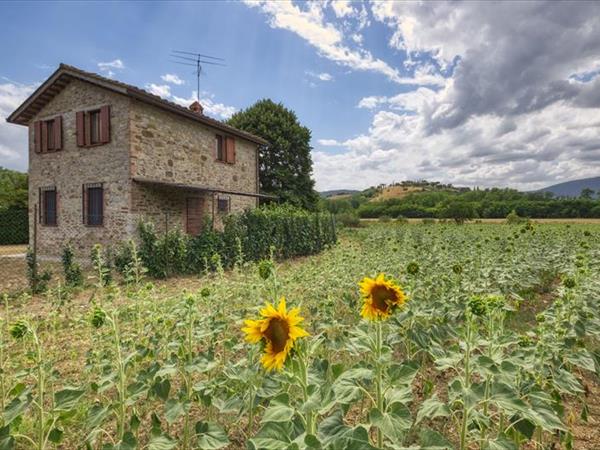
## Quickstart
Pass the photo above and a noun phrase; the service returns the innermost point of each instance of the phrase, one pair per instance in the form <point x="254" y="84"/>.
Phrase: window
<point x="50" y="135"/>
<point x="223" y="205"/>
<point x="93" y="204"/>
<point x="220" y="149"/>
<point x="94" y="127"/>
<point x="48" y="206"/>
<point x="225" y="149"/>
<point x="47" y="135"/>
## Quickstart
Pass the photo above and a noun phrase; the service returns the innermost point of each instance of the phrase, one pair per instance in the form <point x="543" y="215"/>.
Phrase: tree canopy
<point x="13" y="189"/>
<point x="285" y="164"/>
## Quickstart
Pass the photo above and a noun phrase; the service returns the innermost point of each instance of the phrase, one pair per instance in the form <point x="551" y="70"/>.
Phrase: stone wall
<point x="71" y="167"/>
<point x="167" y="147"/>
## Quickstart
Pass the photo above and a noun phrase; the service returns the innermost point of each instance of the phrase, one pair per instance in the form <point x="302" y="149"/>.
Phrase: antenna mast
<point x="195" y="60"/>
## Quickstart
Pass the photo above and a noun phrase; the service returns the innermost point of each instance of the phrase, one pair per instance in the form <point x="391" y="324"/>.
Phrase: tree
<point x="13" y="188"/>
<point x="459" y="211"/>
<point x="285" y="164"/>
<point x="586" y="193"/>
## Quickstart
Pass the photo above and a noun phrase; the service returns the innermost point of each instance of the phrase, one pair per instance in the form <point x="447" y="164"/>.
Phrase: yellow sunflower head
<point x="277" y="330"/>
<point x="380" y="297"/>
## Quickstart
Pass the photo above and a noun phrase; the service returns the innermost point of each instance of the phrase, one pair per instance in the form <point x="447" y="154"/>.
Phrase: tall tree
<point x="13" y="188"/>
<point x="285" y="166"/>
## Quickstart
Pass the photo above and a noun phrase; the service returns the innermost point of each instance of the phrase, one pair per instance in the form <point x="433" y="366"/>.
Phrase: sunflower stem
<point x="310" y="425"/>
<point x="378" y="380"/>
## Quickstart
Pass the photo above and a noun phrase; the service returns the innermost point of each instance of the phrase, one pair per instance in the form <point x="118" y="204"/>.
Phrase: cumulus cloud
<point x="13" y="138"/>
<point x="310" y="24"/>
<point x="172" y="78"/>
<point x="520" y="106"/>
<point x="109" y="67"/>
<point x="162" y="90"/>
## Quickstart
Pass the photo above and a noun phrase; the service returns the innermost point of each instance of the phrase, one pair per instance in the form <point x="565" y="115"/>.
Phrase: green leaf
<point x="399" y="395"/>
<point x="403" y="374"/>
<point x="161" y="442"/>
<point x="210" y="436"/>
<point x="566" y="382"/>
<point x="96" y="415"/>
<point x="394" y="423"/>
<point x="161" y="389"/>
<point x="432" y="440"/>
<point x="333" y="428"/>
<point x="431" y="409"/>
<point x="502" y="442"/>
<point x="582" y="358"/>
<point x="7" y="442"/>
<point x="67" y="399"/>
<point x="55" y="435"/>
<point x="173" y="409"/>
<point x="278" y="413"/>
<point x="346" y="387"/>
<point x="16" y="407"/>
<point x="272" y="436"/>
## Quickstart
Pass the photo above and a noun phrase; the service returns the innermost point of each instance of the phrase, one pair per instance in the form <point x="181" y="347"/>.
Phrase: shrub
<point x="71" y="270"/>
<point x="513" y="218"/>
<point x="255" y="234"/>
<point x="38" y="282"/>
<point x="14" y="226"/>
<point x="428" y="221"/>
<point x="385" y="219"/>
<point x="401" y="219"/>
<point x="348" y="219"/>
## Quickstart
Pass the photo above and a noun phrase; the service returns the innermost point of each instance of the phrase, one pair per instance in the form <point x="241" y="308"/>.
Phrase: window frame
<point x="220" y="147"/>
<point x="223" y="199"/>
<point x="44" y="218"/>
<point x="94" y="124"/>
<point x="86" y="205"/>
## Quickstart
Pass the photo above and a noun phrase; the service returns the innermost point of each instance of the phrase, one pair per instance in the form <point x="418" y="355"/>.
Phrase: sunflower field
<point x="436" y="336"/>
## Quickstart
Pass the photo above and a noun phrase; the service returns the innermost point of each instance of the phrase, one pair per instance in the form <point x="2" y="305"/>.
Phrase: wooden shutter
<point x="37" y="136"/>
<point x="230" y="150"/>
<point x="87" y="128"/>
<point x="44" y="136"/>
<point x="83" y="204"/>
<point x="58" y="133"/>
<point x="105" y="124"/>
<point x="80" y="124"/>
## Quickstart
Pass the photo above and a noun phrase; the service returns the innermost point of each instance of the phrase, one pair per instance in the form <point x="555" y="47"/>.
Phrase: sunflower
<point x="381" y="297"/>
<point x="278" y="331"/>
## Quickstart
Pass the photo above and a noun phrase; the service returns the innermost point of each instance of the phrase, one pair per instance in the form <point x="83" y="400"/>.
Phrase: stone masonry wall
<point x="71" y="167"/>
<point x="170" y="148"/>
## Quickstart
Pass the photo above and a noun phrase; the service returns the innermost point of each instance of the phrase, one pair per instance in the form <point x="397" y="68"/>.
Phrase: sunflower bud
<point x="190" y="300"/>
<point x="265" y="269"/>
<point x="205" y="292"/>
<point x="457" y="269"/>
<point x="19" y="329"/>
<point x="569" y="282"/>
<point x="98" y="317"/>
<point x="412" y="268"/>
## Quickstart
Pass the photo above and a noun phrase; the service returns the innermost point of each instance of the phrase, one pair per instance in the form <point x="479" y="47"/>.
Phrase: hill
<point x="573" y="188"/>
<point x="338" y="193"/>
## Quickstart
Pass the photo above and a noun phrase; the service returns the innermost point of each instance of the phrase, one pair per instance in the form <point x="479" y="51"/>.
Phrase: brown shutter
<point x="105" y="124"/>
<point x="58" y="133"/>
<point x="230" y="150"/>
<point x="79" y="119"/>
<point x="44" y="136"/>
<point x="87" y="128"/>
<point x="40" y="204"/>
<point x="37" y="136"/>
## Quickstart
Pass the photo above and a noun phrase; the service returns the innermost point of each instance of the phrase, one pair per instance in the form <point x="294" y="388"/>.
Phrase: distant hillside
<point x="338" y="193"/>
<point x="573" y="188"/>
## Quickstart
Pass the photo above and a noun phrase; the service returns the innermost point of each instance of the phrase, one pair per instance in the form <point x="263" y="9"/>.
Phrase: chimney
<point x="197" y="108"/>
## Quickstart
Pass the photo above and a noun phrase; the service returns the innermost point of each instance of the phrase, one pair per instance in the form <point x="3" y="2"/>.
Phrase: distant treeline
<point x="488" y="203"/>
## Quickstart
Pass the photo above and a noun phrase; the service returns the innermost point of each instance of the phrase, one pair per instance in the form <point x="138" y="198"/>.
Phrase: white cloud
<point x="109" y="67"/>
<point x="13" y="138"/>
<point x="210" y="106"/>
<point x="329" y="142"/>
<point x="323" y="76"/>
<point x="172" y="78"/>
<point x="342" y="8"/>
<point x="162" y="90"/>
<point x="311" y="26"/>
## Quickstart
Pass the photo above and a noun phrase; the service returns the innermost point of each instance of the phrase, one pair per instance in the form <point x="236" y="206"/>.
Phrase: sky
<point x="470" y="93"/>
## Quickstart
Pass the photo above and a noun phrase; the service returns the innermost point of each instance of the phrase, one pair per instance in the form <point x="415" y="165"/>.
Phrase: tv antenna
<point x="196" y="60"/>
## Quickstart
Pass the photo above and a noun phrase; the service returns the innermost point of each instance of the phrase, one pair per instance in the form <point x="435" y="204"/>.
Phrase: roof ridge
<point x="156" y="100"/>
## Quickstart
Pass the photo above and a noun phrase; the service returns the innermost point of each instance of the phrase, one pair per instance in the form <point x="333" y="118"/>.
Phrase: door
<point x="193" y="214"/>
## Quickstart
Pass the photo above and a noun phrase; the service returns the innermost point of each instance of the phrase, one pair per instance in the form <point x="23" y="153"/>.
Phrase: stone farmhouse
<point x="104" y="155"/>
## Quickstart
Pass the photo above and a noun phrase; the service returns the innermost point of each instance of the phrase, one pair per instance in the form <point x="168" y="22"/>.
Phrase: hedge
<point x="14" y="226"/>
<point x="279" y="231"/>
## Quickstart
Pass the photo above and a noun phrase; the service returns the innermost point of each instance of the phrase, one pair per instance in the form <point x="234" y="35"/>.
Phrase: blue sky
<point x="390" y="91"/>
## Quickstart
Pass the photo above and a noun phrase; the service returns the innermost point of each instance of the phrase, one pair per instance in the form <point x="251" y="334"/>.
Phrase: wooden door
<point x="193" y="214"/>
